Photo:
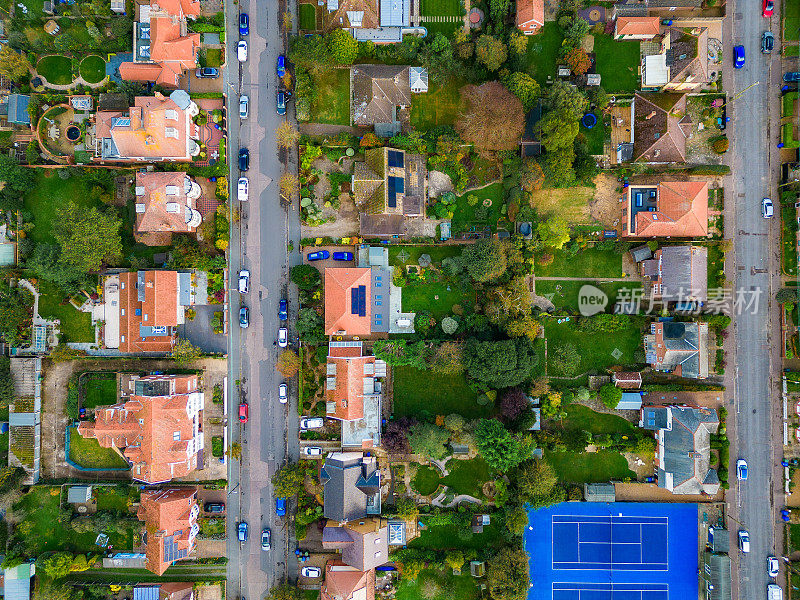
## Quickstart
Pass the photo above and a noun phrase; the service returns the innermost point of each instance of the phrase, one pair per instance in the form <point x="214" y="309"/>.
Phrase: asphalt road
<point x="258" y="243"/>
<point x="754" y="132"/>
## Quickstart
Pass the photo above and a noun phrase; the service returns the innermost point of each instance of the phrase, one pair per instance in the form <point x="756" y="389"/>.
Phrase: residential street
<point x="258" y="243"/>
<point x="755" y="166"/>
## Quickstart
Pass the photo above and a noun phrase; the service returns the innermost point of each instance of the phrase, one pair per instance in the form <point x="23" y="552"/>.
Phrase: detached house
<point x="530" y="16"/>
<point x="364" y="544"/>
<point x="154" y="129"/>
<point x="636" y="28"/>
<point x="357" y="301"/>
<point x="678" y="347"/>
<point x="164" y="591"/>
<point x="683" y="436"/>
<point x="166" y="203"/>
<point x="678" y="274"/>
<point x="674" y="209"/>
<point x="653" y="129"/>
<point x="352" y="486"/>
<point x="343" y="582"/>
<point x="170" y="526"/>
<point x="163" y="48"/>
<point x="158" y="429"/>
<point x="381" y="96"/>
<point x="681" y="63"/>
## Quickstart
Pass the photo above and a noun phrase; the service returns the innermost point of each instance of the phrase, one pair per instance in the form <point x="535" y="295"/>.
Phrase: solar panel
<point x="362" y="301"/>
<point x="395" y="158"/>
<point x="354" y="294"/>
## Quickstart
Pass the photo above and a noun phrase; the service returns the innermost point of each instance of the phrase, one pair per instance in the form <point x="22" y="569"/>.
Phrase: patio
<point x="63" y="131"/>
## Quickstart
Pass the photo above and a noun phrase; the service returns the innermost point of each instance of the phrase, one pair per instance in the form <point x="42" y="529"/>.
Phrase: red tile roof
<point x="170" y="516"/>
<point x="681" y="211"/>
<point x="155" y="434"/>
<point x="530" y="15"/>
<point x="339" y="316"/>
<point x="155" y="217"/>
<point x="638" y="26"/>
<point x="348" y="395"/>
<point x="346" y="583"/>
<point x="160" y="308"/>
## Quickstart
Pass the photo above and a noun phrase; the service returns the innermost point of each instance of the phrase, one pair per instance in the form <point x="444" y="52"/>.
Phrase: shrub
<point x="610" y="395"/>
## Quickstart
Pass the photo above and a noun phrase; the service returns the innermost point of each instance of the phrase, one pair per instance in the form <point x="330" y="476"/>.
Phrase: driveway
<point x="199" y="332"/>
<point x="194" y="85"/>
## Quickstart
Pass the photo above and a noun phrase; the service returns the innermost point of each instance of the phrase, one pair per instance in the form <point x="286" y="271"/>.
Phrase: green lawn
<point x="99" y="389"/>
<point x="409" y="255"/>
<point x="564" y="294"/>
<point x="794" y="537"/>
<point x="443" y="537"/>
<point x="114" y="497"/>
<point x="589" y="262"/>
<point x="213" y="57"/>
<point x="463" y="477"/>
<point x="617" y="64"/>
<point x="93" y="69"/>
<point x="88" y="453"/>
<point x="787" y="136"/>
<point x="789" y="239"/>
<point x="787" y="103"/>
<point x="439" y="106"/>
<point x="416" y="391"/>
<point x="464" y="214"/>
<point x="596" y="136"/>
<point x="438" y="585"/>
<point x="425" y="480"/>
<point x="308" y="17"/>
<point x="596" y="349"/>
<point x="589" y="467"/>
<point x="585" y="419"/>
<point x="716" y="263"/>
<point x="435" y="297"/>
<point x="332" y="102"/>
<point x="76" y="326"/>
<point x="791" y="51"/>
<point x="543" y="51"/>
<point x="56" y="69"/>
<point x="791" y="20"/>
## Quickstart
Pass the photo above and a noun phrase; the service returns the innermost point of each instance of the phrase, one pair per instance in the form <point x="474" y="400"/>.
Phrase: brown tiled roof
<point x="145" y="428"/>
<point x="681" y="211"/>
<point x="168" y="516"/>
<point x="530" y="15"/>
<point x="690" y="57"/>
<point x="338" y="296"/>
<point x="377" y="90"/>
<point x="661" y="126"/>
<point x="348" y="395"/>
<point x="156" y="218"/>
<point x="343" y="582"/>
<point x="160" y="307"/>
<point x="364" y="543"/>
<point x="381" y="225"/>
<point x="340" y="18"/>
<point x="637" y="26"/>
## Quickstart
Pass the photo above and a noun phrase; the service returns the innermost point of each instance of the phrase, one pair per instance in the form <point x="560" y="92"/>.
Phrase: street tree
<point x="288" y="363"/>
<point x="184" y="352"/>
<point x="306" y="277"/>
<point x="491" y="117"/>
<point x="286" y="135"/>
<point x="288" y="480"/>
<point x="290" y="184"/>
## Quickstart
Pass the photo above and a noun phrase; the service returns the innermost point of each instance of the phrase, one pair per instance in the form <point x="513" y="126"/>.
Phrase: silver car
<point x="244" y="102"/>
<point x="283" y="337"/>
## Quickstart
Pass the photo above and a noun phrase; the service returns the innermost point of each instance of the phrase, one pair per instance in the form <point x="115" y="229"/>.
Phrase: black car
<point x="214" y="507"/>
<point x="767" y="42"/>
<point x="244" y="159"/>
<point x="789" y="77"/>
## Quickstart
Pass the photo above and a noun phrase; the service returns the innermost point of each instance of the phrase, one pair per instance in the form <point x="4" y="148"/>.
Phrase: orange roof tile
<point x="177" y="7"/>
<point x="155" y="217"/>
<point x="339" y="315"/>
<point x="160" y="305"/>
<point x="346" y="583"/>
<point x="169" y="515"/>
<point x="681" y="211"/>
<point x="530" y="15"/>
<point x="349" y="391"/>
<point x="638" y="26"/>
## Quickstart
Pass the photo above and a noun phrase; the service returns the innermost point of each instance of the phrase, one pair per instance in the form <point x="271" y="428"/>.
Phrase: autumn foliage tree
<point x="578" y="60"/>
<point x="491" y="117"/>
<point x="286" y="135"/>
<point x="491" y="51"/>
<point x="288" y="363"/>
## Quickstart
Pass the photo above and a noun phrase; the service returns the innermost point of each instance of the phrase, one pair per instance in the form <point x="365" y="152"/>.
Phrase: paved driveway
<point x="199" y="332"/>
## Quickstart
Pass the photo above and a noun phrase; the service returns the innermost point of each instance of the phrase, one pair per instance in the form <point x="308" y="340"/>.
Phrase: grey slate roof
<point x="641" y="253"/>
<point x="18" y="109"/>
<point x="599" y="492"/>
<point x="720" y="540"/>
<point x="377" y="90"/>
<point x="684" y="272"/>
<point x="682" y="348"/>
<point x="348" y="481"/>
<point x="79" y="494"/>
<point x="719" y="577"/>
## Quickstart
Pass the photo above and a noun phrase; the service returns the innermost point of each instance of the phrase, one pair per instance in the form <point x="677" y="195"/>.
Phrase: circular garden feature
<point x="73" y="133"/>
<point x="93" y="69"/>
<point x="56" y="69"/>
<point x="589" y="120"/>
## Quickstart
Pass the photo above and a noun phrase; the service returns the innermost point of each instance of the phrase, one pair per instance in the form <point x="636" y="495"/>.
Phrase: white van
<point x="774" y="592"/>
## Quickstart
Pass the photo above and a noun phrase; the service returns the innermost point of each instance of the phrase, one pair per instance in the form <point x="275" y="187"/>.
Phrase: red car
<point x="769" y="6"/>
<point x="244" y="411"/>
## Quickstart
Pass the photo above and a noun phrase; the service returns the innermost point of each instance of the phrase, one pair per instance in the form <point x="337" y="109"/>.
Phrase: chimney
<point x="160" y="96"/>
<point x="651" y="115"/>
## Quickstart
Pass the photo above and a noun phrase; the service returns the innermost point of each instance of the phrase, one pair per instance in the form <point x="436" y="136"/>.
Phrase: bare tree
<point x="491" y="117"/>
<point x="290" y="186"/>
<point x="286" y="135"/>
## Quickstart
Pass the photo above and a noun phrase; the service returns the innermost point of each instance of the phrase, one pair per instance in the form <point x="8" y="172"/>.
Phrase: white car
<point x="244" y="281"/>
<point x="283" y="393"/>
<point x="311" y="572"/>
<point x="312" y="451"/>
<point x="772" y="566"/>
<point x="244" y="102"/>
<point x="241" y="51"/>
<point x="744" y="541"/>
<point x="242" y="189"/>
<point x="311" y="422"/>
<point x="767" y="209"/>
<point x="283" y="337"/>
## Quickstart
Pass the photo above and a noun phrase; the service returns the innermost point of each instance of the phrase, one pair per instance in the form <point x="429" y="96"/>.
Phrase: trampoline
<point x="589" y="120"/>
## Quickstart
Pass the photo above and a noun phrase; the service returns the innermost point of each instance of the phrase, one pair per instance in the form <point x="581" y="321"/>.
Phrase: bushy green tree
<point x="88" y="237"/>
<point x="491" y="51"/>
<point x="507" y="575"/>
<point x="610" y="395"/>
<point x="553" y="232"/>
<point x="500" y="364"/>
<point x="288" y="480"/>
<point x="310" y="326"/>
<point x="429" y="440"/>
<point x="485" y="260"/>
<point x="342" y="46"/>
<point x="305" y="277"/>
<point x="534" y="478"/>
<point x="501" y="449"/>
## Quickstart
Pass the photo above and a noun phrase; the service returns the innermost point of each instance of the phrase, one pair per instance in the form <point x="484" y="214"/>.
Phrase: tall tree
<point x="531" y="176"/>
<point x="184" y="352"/>
<point x="507" y="575"/>
<point x="557" y="167"/>
<point x="310" y="326"/>
<point x="16" y="305"/>
<point x="288" y="481"/>
<point x="558" y="130"/>
<point x="343" y="48"/>
<point x="88" y="237"/>
<point x="500" y="364"/>
<point x="13" y="64"/>
<point x="490" y="51"/>
<point x="561" y="95"/>
<point x="306" y="277"/>
<point x="524" y="87"/>
<point x="485" y="260"/>
<point x="499" y="10"/>
<point x="553" y="232"/>
<point x="429" y="440"/>
<point x="501" y="449"/>
<point x="491" y="117"/>
<point x="534" y="478"/>
<point x="577" y="60"/>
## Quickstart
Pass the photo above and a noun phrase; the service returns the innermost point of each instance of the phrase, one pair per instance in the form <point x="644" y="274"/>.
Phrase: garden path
<point x="455" y="501"/>
<point x="601" y="279"/>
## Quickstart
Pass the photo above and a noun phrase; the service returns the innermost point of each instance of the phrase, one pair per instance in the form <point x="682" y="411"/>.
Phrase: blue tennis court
<point x="613" y="551"/>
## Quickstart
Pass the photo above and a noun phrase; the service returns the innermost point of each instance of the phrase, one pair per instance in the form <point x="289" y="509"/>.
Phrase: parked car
<point x="244" y="159"/>
<point x="342" y="256"/>
<point x="744" y="541"/>
<point x="741" y="470"/>
<point x="241" y="531"/>
<point x="283" y="393"/>
<point x="283" y="309"/>
<point x="244" y="24"/>
<point x="241" y="51"/>
<point x="244" y="317"/>
<point x="281" y="103"/>
<point x="767" y="42"/>
<point x="738" y="57"/>
<point x="244" y="412"/>
<point x="768" y="8"/>
<point x="311" y="572"/>
<point x="280" y="507"/>
<point x="265" y="536"/>
<point x="772" y="566"/>
<point x="281" y="65"/>
<point x="791" y="77"/>
<point x="767" y="210"/>
<point x="244" y="101"/>
<point x="311" y="422"/>
<point x="215" y="508"/>
<point x="774" y="592"/>
<point x="243" y="189"/>
<point x="318" y="255"/>
<point x="283" y="337"/>
<point x="312" y="451"/>
<point x="244" y="281"/>
<point x="207" y="73"/>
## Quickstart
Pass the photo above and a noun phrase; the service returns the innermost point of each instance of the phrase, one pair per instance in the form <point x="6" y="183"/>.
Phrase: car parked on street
<point x="312" y="450"/>
<point x="311" y="572"/>
<point x="283" y="337"/>
<point x="768" y="7"/>
<point x="244" y="24"/>
<point x="342" y="256"/>
<point x="207" y="73"/>
<point x="280" y="507"/>
<point x="244" y="159"/>
<point x="283" y="309"/>
<point x="767" y="210"/>
<point x="281" y="103"/>
<point x="265" y="537"/>
<point x="283" y="393"/>
<point x="767" y="42"/>
<point x="281" y="65"/>
<point x="244" y="317"/>
<point x="241" y="531"/>
<point x="241" y="51"/>
<point x="792" y="76"/>
<point x="318" y="255"/>
<point x="741" y="470"/>
<point x="244" y="103"/>
<point x="244" y="281"/>
<point x="773" y="567"/>
<point x="244" y="412"/>
<point x="311" y="422"/>
<point x="738" y="57"/>
<point x="243" y="189"/>
<point x="744" y="541"/>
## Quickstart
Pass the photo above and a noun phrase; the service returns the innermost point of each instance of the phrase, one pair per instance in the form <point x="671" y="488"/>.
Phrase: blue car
<point x="318" y="255"/>
<point x="738" y="57"/>
<point x="281" y="66"/>
<point x="342" y="256"/>
<point x="241" y="531"/>
<point x="244" y="24"/>
<point x="283" y="309"/>
<point x="280" y="507"/>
